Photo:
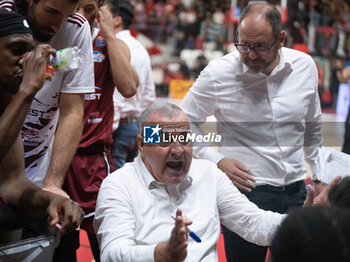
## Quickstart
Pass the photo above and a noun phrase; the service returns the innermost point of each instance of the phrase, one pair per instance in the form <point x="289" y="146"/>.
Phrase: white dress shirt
<point x="275" y="115"/>
<point x="133" y="212"/>
<point x="145" y="93"/>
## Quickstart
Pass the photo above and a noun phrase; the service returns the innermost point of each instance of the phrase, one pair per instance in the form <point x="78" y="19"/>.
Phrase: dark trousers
<point x="125" y="146"/>
<point x="277" y="199"/>
<point x="66" y="251"/>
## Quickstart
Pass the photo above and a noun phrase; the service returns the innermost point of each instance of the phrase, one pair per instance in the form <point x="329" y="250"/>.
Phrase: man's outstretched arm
<point x="21" y="193"/>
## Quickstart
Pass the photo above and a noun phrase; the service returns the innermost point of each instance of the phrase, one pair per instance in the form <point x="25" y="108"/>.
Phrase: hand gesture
<point x="34" y="66"/>
<point x="175" y="249"/>
<point x="237" y="173"/>
<point x="318" y="194"/>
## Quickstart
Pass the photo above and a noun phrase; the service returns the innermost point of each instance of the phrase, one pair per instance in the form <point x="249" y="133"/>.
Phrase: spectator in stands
<point x="313" y="234"/>
<point x="22" y="75"/>
<point x="336" y="77"/>
<point x="200" y="63"/>
<point x="127" y="110"/>
<point x="184" y="69"/>
<point x="93" y="160"/>
<point x="180" y="42"/>
<point x="158" y="77"/>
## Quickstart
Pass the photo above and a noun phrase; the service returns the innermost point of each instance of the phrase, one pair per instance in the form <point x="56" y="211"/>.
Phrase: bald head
<point x="263" y="12"/>
<point x="166" y="110"/>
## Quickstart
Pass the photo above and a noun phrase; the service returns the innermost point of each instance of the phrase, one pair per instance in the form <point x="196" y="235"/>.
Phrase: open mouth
<point x="176" y="165"/>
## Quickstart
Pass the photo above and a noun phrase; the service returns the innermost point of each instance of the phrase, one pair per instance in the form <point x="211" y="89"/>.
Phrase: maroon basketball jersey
<point x="98" y="109"/>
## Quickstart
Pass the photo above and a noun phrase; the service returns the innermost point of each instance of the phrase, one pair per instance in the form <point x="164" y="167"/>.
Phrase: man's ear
<point x="281" y="39"/>
<point x="117" y="21"/>
<point x="140" y="144"/>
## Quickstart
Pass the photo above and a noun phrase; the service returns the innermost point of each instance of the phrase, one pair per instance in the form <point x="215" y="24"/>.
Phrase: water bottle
<point x="66" y="59"/>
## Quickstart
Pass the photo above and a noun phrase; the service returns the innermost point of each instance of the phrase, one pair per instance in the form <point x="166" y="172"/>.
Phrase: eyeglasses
<point x="259" y="49"/>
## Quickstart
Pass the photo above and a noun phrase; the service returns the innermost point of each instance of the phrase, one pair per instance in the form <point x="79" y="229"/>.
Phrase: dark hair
<point x="313" y="234"/>
<point x="124" y="9"/>
<point x="22" y="5"/>
<point x="339" y="194"/>
<point x="272" y="15"/>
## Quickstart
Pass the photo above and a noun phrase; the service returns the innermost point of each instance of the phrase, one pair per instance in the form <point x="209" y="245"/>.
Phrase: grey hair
<point x="167" y="110"/>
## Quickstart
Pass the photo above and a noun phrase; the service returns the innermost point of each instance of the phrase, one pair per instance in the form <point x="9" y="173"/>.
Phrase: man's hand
<point x="67" y="212"/>
<point x="34" y="65"/>
<point x="318" y="194"/>
<point x="237" y="173"/>
<point x="175" y="249"/>
<point x="105" y="21"/>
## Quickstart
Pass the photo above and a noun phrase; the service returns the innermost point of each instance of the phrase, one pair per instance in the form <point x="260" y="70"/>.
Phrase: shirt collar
<point x="123" y="33"/>
<point x="284" y="64"/>
<point x="151" y="183"/>
<point x="95" y="32"/>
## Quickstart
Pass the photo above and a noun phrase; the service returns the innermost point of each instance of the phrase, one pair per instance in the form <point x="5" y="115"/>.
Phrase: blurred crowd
<point x="197" y="31"/>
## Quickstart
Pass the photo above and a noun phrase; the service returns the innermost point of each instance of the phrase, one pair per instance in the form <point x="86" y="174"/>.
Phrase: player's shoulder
<point x="7" y="4"/>
<point x="76" y="19"/>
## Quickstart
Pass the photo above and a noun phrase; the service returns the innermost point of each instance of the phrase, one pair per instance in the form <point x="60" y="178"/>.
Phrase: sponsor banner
<point x="178" y="88"/>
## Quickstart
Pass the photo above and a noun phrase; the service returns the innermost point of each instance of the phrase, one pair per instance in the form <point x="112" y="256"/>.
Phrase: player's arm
<point x="123" y="73"/>
<point x="67" y="137"/>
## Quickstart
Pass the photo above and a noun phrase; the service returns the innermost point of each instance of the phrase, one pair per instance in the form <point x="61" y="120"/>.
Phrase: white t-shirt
<point x="145" y="93"/>
<point x="41" y="121"/>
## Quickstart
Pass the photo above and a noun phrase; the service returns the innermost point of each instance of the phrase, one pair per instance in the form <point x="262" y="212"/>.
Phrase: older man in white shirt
<point x="137" y="203"/>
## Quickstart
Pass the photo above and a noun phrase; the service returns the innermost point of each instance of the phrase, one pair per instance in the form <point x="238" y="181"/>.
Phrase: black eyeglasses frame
<point x="250" y="48"/>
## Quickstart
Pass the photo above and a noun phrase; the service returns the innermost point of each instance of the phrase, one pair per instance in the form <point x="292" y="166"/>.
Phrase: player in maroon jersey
<point x="93" y="160"/>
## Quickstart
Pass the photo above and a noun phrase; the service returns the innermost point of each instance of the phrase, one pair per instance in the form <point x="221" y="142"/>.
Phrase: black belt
<point x="291" y="187"/>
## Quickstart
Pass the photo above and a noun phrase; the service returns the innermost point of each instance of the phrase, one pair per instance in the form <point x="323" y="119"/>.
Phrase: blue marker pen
<point x="191" y="233"/>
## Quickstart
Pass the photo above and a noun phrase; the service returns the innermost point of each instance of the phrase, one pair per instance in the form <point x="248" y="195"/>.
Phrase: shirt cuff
<point x="148" y="253"/>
